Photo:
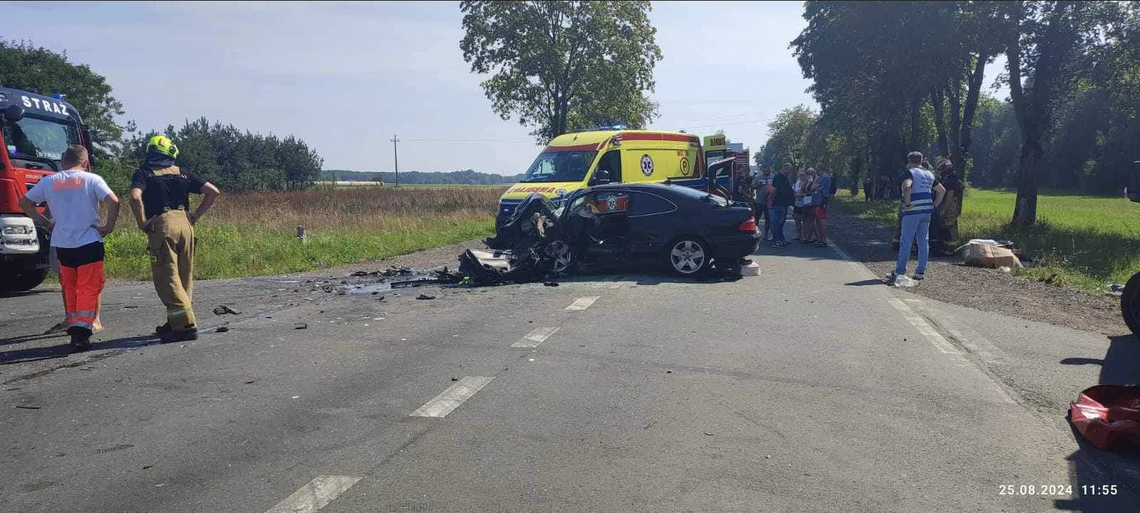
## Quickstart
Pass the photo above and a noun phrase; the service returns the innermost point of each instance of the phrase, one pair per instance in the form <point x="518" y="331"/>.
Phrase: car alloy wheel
<point x="1130" y="304"/>
<point x="559" y="251"/>
<point x="688" y="257"/>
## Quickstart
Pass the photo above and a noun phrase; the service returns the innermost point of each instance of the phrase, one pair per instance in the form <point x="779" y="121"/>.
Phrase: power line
<point x="766" y="112"/>
<point x="725" y="124"/>
<point x="467" y="140"/>
<point x="396" y="159"/>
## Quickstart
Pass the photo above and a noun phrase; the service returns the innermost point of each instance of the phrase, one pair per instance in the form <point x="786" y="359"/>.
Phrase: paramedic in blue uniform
<point x="920" y="196"/>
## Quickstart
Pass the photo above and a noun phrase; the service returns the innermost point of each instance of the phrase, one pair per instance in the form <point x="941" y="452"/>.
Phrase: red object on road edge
<point x="1108" y="415"/>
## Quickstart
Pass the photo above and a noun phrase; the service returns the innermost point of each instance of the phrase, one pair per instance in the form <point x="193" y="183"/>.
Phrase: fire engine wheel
<point x="24" y="281"/>
<point x="1130" y="304"/>
<point x="561" y="254"/>
<point x="687" y="256"/>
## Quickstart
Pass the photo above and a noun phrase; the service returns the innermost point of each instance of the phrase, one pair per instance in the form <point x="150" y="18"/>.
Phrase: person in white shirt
<point x="73" y="196"/>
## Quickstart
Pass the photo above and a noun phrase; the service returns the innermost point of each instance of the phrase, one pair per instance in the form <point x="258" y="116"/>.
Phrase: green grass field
<point x="255" y="234"/>
<point x="1085" y="241"/>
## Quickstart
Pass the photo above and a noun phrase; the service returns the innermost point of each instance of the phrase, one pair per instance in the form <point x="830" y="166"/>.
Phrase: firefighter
<point x="160" y="199"/>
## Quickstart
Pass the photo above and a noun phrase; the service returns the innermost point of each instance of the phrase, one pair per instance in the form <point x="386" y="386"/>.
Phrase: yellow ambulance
<point x="579" y="160"/>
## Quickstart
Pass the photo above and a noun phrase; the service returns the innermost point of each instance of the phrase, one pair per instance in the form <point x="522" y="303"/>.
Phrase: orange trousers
<point x="81" y="288"/>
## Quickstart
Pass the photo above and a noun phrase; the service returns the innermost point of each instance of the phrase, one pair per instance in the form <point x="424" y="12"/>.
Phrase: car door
<point x="651" y="221"/>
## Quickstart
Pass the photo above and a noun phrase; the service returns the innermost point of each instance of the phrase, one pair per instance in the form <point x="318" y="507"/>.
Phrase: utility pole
<point x="396" y="158"/>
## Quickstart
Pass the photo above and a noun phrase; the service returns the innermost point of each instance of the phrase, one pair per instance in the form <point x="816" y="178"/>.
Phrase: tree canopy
<point x="893" y="77"/>
<point x="561" y="66"/>
<point x="234" y="159"/>
<point x="35" y="69"/>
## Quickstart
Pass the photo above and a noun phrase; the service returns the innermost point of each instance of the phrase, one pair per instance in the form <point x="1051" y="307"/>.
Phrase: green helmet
<point x="163" y="145"/>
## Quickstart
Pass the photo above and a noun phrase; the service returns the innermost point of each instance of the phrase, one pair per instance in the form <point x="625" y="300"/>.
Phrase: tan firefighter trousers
<point x="170" y="242"/>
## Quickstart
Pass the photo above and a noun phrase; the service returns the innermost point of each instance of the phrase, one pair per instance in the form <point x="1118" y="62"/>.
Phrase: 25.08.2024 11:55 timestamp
<point x="1057" y="490"/>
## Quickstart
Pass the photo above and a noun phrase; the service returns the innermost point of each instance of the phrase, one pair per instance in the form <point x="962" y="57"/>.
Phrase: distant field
<point x="255" y="234"/>
<point x="1086" y="241"/>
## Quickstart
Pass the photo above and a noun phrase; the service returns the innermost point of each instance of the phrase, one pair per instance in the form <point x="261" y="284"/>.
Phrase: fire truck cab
<point x="34" y="132"/>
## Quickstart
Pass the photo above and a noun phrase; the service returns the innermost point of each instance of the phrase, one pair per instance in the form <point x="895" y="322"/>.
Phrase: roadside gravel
<point x="948" y="280"/>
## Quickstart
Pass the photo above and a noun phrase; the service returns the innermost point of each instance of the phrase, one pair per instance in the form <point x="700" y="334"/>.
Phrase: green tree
<point x="560" y="66"/>
<point x="1044" y="41"/>
<point x="39" y="70"/>
<point x="788" y="136"/>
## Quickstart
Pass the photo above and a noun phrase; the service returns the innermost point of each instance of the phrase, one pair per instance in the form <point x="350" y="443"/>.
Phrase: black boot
<point x="80" y="338"/>
<point x="172" y="335"/>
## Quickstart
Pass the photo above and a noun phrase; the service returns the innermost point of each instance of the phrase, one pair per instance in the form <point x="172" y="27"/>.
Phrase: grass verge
<point x="255" y="234"/>
<point x="1081" y="242"/>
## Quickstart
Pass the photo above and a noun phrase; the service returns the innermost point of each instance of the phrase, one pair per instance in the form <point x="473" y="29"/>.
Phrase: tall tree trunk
<point x="912" y="144"/>
<point x="937" y="100"/>
<point x="1028" y="170"/>
<point x="955" y="132"/>
<point x="972" y="94"/>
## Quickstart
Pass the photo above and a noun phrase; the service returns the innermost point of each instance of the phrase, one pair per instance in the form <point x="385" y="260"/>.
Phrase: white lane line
<point x="536" y="337"/>
<point x="315" y="495"/>
<point x="451" y="398"/>
<point x="863" y="271"/>
<point x="924" y="327"/>
<point x="975" y="343"/>
<point x="582" y="303"/>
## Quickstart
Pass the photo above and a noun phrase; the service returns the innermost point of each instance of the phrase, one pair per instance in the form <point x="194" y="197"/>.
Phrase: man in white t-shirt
<point x="73" y="196"/>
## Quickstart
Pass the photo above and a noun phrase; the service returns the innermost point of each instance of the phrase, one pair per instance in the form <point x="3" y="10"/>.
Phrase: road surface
<point x="809" y="388"/>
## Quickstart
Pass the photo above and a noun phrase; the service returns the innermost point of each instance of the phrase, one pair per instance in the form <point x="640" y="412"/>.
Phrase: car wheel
<point x="24" y="281"/>
<point x="687" y="256"/>
<point x="561" y="255"/>
<point x="1130" y="304"/>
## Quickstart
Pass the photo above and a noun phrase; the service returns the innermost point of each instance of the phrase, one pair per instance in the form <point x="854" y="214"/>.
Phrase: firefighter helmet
<point x="163" y="145"/>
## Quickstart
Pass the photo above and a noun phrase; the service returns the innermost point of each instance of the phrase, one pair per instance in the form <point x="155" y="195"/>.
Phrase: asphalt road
<point x="809" y="388"/>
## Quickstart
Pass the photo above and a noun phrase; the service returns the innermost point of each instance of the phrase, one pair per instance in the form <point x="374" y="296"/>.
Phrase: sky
<point x="347" y="77"/>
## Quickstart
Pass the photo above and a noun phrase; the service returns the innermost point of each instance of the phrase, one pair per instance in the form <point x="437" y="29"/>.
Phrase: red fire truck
<point x="34" y="132"/>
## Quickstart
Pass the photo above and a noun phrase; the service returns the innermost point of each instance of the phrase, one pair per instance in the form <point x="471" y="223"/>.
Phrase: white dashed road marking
<point x="315" y="495"/>
<point x="859" y="268"/>
<point x="535" y="337"/>
<point x="451" y="398"/>
<point x="582" y="303"/>
<point x="924" y="327"/>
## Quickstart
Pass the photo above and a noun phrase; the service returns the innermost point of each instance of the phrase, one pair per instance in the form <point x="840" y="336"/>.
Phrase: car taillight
<point x="748" y="226"/>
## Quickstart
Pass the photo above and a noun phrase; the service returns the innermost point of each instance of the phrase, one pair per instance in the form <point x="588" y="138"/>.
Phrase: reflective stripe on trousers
<point x="81" y="288"/>
<point x="170" y="242"/>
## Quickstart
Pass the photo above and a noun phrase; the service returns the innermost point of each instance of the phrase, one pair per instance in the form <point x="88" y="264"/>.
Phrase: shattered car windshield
<point x="560" y="166"/>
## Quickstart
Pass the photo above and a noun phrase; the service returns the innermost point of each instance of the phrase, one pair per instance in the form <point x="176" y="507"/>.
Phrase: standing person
<point x="74" y="195"/>
<point x="161" y="191"/>
<point x="782" y="198"/>
<point x="798" y="204"/>
<point x="951" y="206"/>
<point x="762" y="181"/>
<point x="820" y="195"/>
<point x="808" y="215"/>
<point x="917" y="187"/>
<point x="868" y="185"/>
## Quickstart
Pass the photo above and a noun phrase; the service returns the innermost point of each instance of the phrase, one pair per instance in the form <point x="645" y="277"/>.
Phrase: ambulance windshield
<point x="560" y="166"/>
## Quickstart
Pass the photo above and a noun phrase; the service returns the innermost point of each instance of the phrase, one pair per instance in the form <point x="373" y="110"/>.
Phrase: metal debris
<point x="225" y="309"/>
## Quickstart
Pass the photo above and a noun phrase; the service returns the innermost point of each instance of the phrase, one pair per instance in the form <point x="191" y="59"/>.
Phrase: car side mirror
<point x="602" y="177"/>
<point x="14" y="112"/>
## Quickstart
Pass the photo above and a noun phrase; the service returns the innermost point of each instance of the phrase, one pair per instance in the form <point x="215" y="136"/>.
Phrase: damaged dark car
<point x="686" y="231"/>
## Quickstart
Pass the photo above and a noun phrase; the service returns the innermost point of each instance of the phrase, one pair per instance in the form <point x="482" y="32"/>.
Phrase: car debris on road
<point x="225" y="309"/>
